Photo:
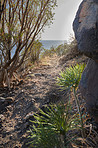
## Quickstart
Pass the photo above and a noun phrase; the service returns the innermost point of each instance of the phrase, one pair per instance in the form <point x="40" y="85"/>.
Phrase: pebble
<point x="26" y="125"/>
<point x="29" y="76"/>
<point x="2" y="100"/>
<point x="16" y="146"/>
<point x="6" y="100"/>
<point x="19" y="106"/>
<point x="19" y="122"/>
<point x="29" y="116"/>
<point x="10" y="99"/>
<point x="11" y="137"/>
<point x="9" y="108"/>
<point x="37" y="74"/>
<point x="29" y="72"/>
<point x="2" y="118"/>
<point x="3" y="135"/>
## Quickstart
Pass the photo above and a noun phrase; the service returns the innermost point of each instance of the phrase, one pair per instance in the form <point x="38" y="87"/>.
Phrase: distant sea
<point x="47" y="44"/>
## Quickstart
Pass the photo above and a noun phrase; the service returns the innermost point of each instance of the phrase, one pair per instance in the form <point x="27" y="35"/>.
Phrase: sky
<point x="61" y="29"/>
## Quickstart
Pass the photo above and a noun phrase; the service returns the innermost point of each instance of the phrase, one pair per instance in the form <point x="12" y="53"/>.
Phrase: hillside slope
<point x="38" y="88"/>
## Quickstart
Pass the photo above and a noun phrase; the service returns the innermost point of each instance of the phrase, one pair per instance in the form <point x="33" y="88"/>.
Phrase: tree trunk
<point x="4" y="78"/>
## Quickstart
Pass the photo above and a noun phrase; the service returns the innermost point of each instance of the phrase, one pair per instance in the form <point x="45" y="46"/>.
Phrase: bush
<point x="52" y="125"/>
<point x="69" y="79"/>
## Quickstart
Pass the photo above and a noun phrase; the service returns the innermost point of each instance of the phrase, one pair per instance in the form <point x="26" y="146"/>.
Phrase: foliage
<point x="48" y="52"/>
<point x="70" y="79"/>
<point x="51" y="126"/>
<point x="59" y="51"/>
<point x="62" y="49"/>
<point x="21" y="23"/>
<point x="34" y="52"/>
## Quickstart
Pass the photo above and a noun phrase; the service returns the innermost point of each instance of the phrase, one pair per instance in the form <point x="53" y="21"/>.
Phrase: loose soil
<point x="38" y="88"/>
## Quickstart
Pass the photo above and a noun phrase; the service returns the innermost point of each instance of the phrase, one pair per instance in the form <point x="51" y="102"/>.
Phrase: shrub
<point x="69" y="79"/>
<point x="52" y="125"/>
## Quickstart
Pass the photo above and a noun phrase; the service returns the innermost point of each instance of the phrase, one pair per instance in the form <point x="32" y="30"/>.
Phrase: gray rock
<point x="2" y="100"/>
<point x="11" y="137"/>
<point x="38" y="74"/>
<point x="29" y="116"/>
<point x="16" y="146"/>
<point x="85" y="27"/>
<point x="26" y="125"/>
<point x="2" y="118"/>
<point x="89" y="88"/>
<point x="9" y="99"/>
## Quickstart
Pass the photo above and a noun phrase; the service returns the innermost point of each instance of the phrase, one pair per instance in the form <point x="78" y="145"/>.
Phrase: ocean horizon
<point x="47" y="44"/>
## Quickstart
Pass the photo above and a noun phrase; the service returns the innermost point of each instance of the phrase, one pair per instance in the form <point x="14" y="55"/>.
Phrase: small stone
<point x="5" y="101"/>
<point x="2" y="99"/>
<point x="37" y="74"/>
<point x="2" y="118"/>
<point x="19" y="131"/>
<point x="19" y="106"/>
<point x="9" y="108"/>
<point x="16" y="88"/>
<point x="19" y="123"/>
<point x="10" y="99"/>
<point x="4" y="135"/>
<point x="16" y="146"/>
<point x="11" y="137"/>
<point x="26" y="125"/>
<point x="30" y="72"/>
<point x="29" y="116"/>
<point x="20" y="82"/>
<point x="7" y="132"/>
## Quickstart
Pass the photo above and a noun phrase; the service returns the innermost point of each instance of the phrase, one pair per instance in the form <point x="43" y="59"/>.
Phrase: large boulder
<point x="85" y="27"/>
<point x="89" y="88"/>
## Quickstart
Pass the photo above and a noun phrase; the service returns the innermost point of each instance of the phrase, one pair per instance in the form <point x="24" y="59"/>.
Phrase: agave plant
<point x="51" y="126"/>
<point x="69" y="79"/>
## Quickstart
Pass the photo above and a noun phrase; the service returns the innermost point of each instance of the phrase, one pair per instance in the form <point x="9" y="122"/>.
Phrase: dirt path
<point x="39" y="88"/>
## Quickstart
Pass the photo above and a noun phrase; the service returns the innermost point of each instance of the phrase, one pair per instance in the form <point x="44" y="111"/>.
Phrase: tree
<point x="21" y="23"/>
<point x="35" y="51"/>
<point x="2" y="3"/>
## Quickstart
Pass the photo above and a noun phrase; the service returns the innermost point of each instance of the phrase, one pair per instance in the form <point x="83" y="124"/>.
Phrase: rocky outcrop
<point x="85" y="27"/>
<point x="89" y="87"/>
